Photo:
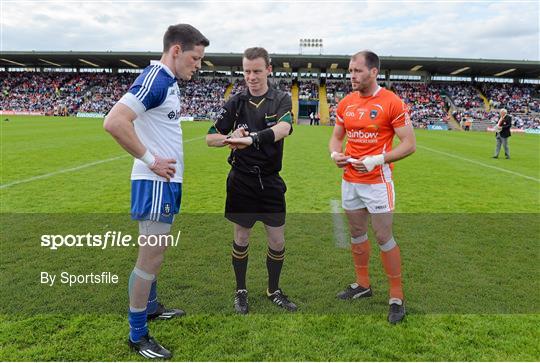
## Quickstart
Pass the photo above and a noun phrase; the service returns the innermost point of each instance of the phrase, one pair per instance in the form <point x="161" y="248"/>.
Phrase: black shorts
<point x="251" y="199"/>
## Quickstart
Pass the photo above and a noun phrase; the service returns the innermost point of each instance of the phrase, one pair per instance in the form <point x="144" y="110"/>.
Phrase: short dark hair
<point x="372" y="60"/>
<point x="184" y="34"/>
<point x="257" y="52"/>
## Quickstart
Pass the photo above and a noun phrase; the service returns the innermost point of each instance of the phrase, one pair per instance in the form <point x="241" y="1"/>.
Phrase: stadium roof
<point x="294" y="62"/>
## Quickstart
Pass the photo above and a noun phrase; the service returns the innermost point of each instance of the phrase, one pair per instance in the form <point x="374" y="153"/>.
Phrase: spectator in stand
<point x="285" y="86"/>
<point x="463" y="95"/>
<point x="60" y="93"/>
<point x="425" y="103"/>
<point x="203" y="98"/>
<point x="515" y="97"/>
<point x="308" y="90"/>
<point x="335" y="91"/>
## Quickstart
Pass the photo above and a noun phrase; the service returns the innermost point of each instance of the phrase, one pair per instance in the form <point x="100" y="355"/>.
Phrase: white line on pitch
<point x="76" y="168"/>
<point x="480" y="163"/>
<point x="339" y="224"/>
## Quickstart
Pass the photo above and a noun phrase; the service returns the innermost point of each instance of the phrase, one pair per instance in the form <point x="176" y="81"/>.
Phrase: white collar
<point x="153" y="62"/>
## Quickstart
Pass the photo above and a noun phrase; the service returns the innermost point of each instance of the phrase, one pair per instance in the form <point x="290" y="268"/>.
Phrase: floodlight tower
<point x="311" y="43"/>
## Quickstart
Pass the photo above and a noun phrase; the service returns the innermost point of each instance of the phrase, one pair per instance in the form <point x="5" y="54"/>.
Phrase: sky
<point x="455" y="29"/>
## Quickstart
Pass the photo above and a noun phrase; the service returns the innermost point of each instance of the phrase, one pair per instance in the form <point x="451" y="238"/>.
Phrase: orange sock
<point x="391" y="260"/>
<point x="360" y="253"/>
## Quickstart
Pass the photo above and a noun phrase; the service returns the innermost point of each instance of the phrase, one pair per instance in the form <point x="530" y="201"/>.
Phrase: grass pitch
<point x="467" y="226"/>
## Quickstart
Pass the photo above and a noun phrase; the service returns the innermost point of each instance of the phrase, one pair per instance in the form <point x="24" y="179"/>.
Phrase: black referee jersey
<point x="255" y="113"/>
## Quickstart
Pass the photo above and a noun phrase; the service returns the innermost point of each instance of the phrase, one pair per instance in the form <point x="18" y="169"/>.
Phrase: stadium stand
<point x="202" y="98"/>
<point x="426" y="104"/>
<point x="309" y="90"/>
<point x="335" y="91"/>
<point x="515" y="98"/>
<point x="285" y="85"/>
<point x="239" y="85"/>
<point x="57" y="93"/>
<point x="518" y="99"/>
<point x="463" y="95"/>
<point x="61" y="93"/>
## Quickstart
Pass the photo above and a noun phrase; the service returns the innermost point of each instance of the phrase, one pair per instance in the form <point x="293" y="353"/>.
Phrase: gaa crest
<point x="166" y="209"/>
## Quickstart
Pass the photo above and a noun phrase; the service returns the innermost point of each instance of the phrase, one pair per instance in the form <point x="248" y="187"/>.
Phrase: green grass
<point x="468" y="235"/>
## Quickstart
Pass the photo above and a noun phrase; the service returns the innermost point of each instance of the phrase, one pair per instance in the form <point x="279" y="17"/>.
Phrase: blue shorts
<point x="155" y="200"/>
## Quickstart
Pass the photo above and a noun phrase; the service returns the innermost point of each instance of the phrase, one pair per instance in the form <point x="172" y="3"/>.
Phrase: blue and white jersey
<point x="155" y="98"/>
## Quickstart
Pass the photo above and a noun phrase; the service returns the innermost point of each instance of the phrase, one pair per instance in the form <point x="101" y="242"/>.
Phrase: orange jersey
<point x="369" y="124"/>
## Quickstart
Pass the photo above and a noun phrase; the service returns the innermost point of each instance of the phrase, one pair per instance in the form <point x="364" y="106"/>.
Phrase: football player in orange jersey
<point x="370" y="116"/>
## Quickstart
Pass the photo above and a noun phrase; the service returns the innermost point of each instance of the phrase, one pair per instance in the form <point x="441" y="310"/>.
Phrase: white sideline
<point x="83" y="166"/>
<point x="480" y="163"/>
<point x="340" y="234"/>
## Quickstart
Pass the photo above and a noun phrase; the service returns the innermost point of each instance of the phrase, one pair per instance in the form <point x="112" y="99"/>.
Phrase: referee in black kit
<point x="253" y="123"/>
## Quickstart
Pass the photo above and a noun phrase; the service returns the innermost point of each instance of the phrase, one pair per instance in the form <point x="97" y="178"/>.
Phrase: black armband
<point x="263" y="137"/>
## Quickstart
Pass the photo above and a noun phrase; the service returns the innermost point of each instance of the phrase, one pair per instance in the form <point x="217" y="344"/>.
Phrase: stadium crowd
<point x="526" y="121"/>
<point x="57" y="93"/>
<point x="513" y="97"/>
<point x="426" y="105"/>
<point x="284" y="85"/>
<point x="476" y="115"/>
<point x="239" y="85"/>
<point x="308" y="90"/>
<point x="61" y="93"/>
<point x="202" y="98"/>
<point x="335" y="91"/>
<point x="463" y="95"/>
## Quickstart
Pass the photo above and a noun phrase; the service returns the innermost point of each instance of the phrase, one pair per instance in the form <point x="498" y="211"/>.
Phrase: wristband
<point x="372" y="161"/>
<point x="148" y="159"/>
<point x="333" y="154"/>
<point x="266" y="136"/>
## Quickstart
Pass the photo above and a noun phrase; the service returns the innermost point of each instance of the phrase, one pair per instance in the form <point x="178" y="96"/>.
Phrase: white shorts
<point x="377" y="198"/>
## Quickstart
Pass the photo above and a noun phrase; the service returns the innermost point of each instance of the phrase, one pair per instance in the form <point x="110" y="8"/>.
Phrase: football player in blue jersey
<point x="145" y="122"/>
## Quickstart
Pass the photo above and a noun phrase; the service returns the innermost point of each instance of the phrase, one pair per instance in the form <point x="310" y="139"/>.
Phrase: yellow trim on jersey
<point x="257" y="104"/>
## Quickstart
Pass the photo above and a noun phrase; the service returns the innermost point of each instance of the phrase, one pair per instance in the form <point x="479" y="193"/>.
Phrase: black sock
<point x="274" y="262"/>
<point x="239" y="262"/>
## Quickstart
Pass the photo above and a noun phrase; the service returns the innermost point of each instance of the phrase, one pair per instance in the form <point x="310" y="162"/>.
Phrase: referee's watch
<point x="254" y="139"/>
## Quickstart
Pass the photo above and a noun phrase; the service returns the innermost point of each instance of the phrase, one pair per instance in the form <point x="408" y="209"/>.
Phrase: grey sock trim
<point x="360" y="239"/>
<point x="136" y="310"/>
<point x="391" y="243"/>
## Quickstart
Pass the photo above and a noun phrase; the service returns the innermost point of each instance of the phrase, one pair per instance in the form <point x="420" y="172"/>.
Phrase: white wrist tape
<point x="372" y="161"/>
<point x="148" y="158"/>
<point x="333" y="154"/>
<point x="351" y="160"/>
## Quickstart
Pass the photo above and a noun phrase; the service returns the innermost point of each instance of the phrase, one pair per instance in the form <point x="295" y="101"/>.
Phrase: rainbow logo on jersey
<point x="363" y="137"/>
